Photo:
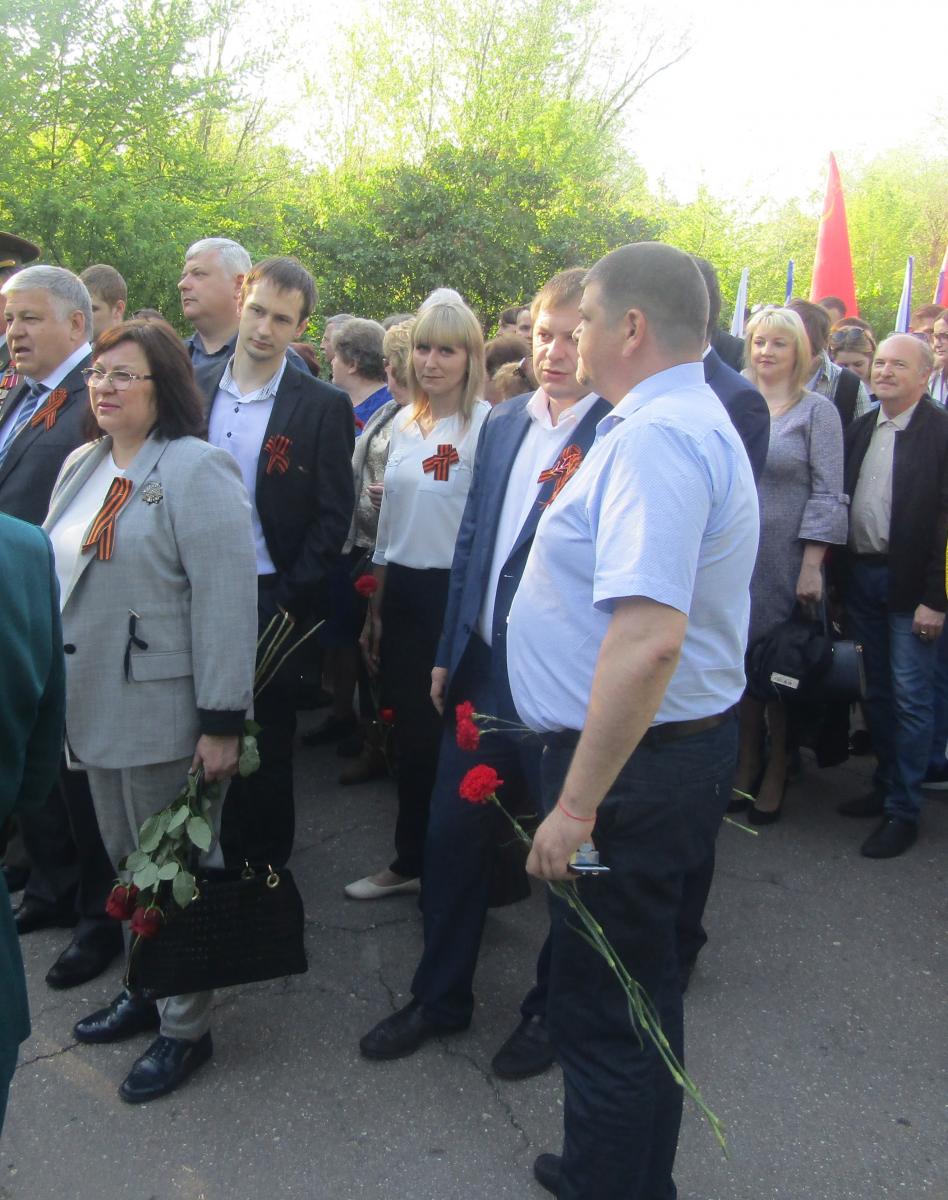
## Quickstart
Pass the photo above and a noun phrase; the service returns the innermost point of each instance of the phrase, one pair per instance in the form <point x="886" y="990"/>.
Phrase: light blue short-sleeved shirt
<point x="665" y="507"/>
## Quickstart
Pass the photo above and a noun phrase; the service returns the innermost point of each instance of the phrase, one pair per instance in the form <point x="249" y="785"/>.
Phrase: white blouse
<point x="70" y="528"/>
<point x="425" y="490"/>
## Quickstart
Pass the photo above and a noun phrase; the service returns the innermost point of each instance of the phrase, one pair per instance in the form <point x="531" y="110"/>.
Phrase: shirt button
<point x="236" y="408"/>
<point x="69" y="648"/>
<point x="228" y="435"/>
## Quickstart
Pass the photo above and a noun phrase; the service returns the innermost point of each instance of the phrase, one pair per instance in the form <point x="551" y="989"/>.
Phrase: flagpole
<point x="740" y="304"/>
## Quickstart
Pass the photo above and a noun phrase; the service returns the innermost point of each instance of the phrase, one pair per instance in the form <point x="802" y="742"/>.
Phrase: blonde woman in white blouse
<point x="427" y="480"/>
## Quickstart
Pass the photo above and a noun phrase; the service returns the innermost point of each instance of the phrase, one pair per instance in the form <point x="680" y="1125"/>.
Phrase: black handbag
<point x="806" y="659"/>
<point x="241" y="927"/>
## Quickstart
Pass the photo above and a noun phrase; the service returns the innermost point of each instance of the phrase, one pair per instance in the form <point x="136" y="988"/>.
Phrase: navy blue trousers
<point x="459" y="852"/>
<point x="657" y="823"/>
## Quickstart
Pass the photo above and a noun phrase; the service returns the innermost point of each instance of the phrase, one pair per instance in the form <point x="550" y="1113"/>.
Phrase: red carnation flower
<point x="147" y="921"/>
<point x="366" y="585"/>
<point x="468" y="735"/>
<point x="121" y="902"/>
<point x="480" y="784"/>
<point x="387" y="716"/>
<point x="464" y="712"/>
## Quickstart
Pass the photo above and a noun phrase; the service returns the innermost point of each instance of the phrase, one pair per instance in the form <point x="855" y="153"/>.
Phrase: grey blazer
<point x="183" y="562"/>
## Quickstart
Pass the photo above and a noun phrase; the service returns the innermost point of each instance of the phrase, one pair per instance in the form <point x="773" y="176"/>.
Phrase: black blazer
<point x="746" y="407"/>
<point x="33" y="462"/>
<point x="305" y="494"/>
<point x="919" y="526"/>
<point x="730" y="349"/>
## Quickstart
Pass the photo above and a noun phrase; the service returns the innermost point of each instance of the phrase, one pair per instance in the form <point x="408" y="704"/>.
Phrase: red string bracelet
<point x="573" y="817"/>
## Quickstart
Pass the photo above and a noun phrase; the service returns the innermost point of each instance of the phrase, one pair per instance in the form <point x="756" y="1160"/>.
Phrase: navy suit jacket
<point x="745" y="406"/>
<point x="35" y="458"/>
<point x="499" y="442"/>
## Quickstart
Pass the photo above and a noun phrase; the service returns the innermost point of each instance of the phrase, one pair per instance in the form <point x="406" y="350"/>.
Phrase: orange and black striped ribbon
<point x="442" y="462"/>
<point x="562" y="471"/>
<point x="278" y="448"/>
<point x="48" y="411"/>
<point x="102" y="534"/>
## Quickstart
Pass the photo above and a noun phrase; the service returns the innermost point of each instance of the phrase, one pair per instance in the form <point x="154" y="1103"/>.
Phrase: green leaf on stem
<point x="136" y="860"/>
<point x="169" y="870"/>
<point x="200" y="833"/>
<point x="147" y="877"/>
<point x="150" y="835"/>
<point x="178" y="818"/>
<point x="183" y="888"/>
<point x="249" y="760"/>
<point x="252" y="729"/>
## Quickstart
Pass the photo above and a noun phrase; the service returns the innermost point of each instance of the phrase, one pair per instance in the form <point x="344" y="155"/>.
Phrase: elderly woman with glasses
<point x="154" y="551"/>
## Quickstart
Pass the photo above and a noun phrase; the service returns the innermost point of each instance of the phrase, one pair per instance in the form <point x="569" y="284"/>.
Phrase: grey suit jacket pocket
<point x="165" y="664"/>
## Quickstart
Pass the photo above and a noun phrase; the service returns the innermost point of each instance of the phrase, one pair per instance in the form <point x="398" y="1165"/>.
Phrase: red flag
<point x="833" y="268"/>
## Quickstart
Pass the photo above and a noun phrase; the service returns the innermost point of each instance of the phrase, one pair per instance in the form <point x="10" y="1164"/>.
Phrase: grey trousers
<point x="124" y="799"/>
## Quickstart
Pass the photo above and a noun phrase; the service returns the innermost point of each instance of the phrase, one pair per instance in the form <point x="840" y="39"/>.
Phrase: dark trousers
<point x="69" y="865"/>
<point x="658" y="822"/>
<point x="413" y="607"/>
<point x="900" y="703"/>
<point x="259" y="819"/>
<point x="460" y="849"/>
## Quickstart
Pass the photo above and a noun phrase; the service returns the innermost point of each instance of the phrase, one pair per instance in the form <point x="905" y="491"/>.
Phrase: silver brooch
<point x="152" y="493"/>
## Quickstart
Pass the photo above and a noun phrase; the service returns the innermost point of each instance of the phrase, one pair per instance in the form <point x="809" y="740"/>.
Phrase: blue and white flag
<point x="905" y="304"/>
<point x="788" y="294"/>
<point x="737" y="322"/>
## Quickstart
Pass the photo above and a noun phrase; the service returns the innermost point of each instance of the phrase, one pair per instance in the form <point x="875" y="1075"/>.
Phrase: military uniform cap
<point x="15" y="251"/>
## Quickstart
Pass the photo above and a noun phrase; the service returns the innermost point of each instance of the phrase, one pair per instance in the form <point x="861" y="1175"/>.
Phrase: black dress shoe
<point x="526" y="1052"/>
<point x="124" y="1018"/>
<point x="164" y="1066"/>
<point x="403" y="1033"/>
<point x="870" y="805"/>
<point x="892" y="837"/>
<point x="16" y="877"/>
<point x="547" y="1169"/>
<point x="85" y="958"/>
<point x="34" y="914"/>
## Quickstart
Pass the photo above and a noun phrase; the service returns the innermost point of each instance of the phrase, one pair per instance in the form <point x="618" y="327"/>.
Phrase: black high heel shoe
<point x="758" y="816"/>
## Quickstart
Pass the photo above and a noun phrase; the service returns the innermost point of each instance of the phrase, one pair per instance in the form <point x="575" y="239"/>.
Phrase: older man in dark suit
<point x="15" y="253"/>
<point x="42" y="418"/>
<point x="292" y="437"/>
<point x="32" y="709"/>
<point x="529" y="447"/>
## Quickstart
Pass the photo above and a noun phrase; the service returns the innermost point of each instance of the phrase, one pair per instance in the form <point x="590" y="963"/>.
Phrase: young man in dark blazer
<point x="42" y="416"/>
<point x="529" y="447"/>
<point x="894" y="580"/>
<point x="292" y="436"/>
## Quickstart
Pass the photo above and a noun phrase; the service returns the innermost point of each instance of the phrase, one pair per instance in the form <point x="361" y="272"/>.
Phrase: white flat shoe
<point x="365" y="889"/>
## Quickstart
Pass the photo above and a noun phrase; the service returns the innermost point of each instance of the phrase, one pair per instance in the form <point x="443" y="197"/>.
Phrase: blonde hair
<point x="449" y="324"/>
<point x="396" y="346"/>
<point x="786" y="321"/>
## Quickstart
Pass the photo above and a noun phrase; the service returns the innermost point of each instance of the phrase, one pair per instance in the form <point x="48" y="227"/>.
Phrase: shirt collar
<point x="55" y="378"/>
<point x="538" y="408"/>
<point x="901" y="421"/>
<point x="671" y="379"/>
<point x="269" y="389"/>
<point x="197" y="343"/>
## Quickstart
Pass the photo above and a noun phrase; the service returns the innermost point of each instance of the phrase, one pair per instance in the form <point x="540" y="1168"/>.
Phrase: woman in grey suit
<point x="152" y="535"/>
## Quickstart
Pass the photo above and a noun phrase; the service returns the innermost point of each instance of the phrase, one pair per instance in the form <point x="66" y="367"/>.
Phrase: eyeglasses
<point x="95" y="377"/>
<point x="852" y="338"/>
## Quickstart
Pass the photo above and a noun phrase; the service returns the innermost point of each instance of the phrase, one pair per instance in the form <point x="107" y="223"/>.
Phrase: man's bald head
<point x="900" y="372"/>
<point x="664" y="285"/>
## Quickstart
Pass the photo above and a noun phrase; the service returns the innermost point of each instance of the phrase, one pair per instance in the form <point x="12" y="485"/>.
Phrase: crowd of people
<point x="576" y="528"/>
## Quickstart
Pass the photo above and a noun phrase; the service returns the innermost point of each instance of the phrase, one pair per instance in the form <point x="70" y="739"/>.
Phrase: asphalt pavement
<point x="816" y="1024"/>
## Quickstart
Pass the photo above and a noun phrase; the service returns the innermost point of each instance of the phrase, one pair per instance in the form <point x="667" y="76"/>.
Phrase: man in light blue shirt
<point x="625" y="647"/>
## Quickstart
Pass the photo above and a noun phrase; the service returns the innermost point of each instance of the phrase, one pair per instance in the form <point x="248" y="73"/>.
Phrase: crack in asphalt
<point x="326" y="927"/>
<point x="390" y="991"/>
<point x="493" y="1086"/>
<point x="28" y="1062"/>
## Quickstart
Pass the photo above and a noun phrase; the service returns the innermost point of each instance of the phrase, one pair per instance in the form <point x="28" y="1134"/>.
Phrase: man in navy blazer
<point x="528" y="449"/>
<point x="292" y="436"/>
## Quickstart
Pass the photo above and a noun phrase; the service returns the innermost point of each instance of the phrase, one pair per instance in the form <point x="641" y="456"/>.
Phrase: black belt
<point x="655" y="735"/>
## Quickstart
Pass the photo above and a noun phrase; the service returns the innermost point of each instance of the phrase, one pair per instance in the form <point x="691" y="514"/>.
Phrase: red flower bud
<point x="121" y="901"/>
<point x="468" y="735"/>
<point x="387" y="716"/>
<point x="366" y="585"/>
<point x="147" y="921"/>
<point x="480" y="784"/>
<point x="464" y="712"/>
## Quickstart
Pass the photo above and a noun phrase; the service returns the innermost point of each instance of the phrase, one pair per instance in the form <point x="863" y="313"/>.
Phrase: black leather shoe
<point x="34" y="914"/>
<point x="403" y="1033"/>
<point x="164" y="1066"/>
<point x="870" y="805"/>
<point x="526" y="1052"/>
<point x="546" y="1171"/>
<point x="124" y="1018"/>
<point x="15" y="877"/>
<point x="85" y="958"/>
<point x="891" y="838"/>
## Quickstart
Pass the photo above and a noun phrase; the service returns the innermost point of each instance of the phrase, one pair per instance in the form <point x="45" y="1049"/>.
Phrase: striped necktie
<point x="27" y="408"/>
